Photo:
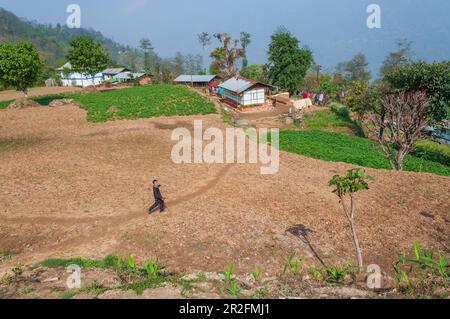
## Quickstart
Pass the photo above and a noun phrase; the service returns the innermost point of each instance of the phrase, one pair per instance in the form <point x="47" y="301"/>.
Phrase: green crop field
<point x="144" y="102"/>
<point x="338" y="147"/>
<point x="136" y="102"/>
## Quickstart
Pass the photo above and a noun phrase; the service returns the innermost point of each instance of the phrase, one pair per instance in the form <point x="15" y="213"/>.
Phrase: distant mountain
<point x="51" y="41"/>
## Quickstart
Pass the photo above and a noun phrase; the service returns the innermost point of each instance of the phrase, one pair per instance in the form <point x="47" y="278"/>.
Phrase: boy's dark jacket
<point x="157" y="192"/>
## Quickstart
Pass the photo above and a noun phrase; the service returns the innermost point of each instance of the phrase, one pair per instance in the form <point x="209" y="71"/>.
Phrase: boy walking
<point x="159" y="200"/>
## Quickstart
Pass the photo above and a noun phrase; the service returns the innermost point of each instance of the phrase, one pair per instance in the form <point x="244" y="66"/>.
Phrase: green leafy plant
<point x="354" y="181"/>
<point x="316" y="273"/>
<point x="293" y="264"/>
<point x="229" y="273"/>
<point x="423" y="271"/>
<point x="334" y="273"/>
<point x="421" y="274"/>
<point x="131" y="264"/>
<point x="152" y="268"/>
<point x="234" y="288"/>
<point x="256" y="273"/>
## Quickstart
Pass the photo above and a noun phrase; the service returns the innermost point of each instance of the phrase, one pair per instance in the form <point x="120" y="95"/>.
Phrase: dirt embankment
<point x="70" y="188"/>
<point x="10" y="95"/>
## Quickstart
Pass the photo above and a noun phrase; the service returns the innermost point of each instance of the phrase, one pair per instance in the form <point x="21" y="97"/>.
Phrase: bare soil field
<point x="70" y="188"/>
<point x="10" y="95"/>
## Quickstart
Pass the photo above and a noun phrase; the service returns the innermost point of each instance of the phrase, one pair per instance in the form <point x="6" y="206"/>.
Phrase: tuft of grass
<point x="109" y="262"/>
<point x="261" y="293"/>
<point x="256" y="273"/>
<point x="26" y="291"/>
<point x="140" y="286"/>
<point x="68" y="294"/>
<point x="47" y="99"/>
<point x="4" y="104"/>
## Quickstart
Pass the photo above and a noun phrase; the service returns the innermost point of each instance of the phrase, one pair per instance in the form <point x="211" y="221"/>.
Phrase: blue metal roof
<point x="185" y="78"/>
<point x="237" y="85"/>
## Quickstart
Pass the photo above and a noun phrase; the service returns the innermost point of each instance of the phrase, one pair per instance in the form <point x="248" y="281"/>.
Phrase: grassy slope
<point x="319" y="143"/>
<point x="338" y="147"/>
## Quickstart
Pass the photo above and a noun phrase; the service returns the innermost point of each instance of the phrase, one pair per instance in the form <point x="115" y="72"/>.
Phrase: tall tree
<point x="132" y="59"/>
<point x="246" y="39"/>
<point x="179" y="64"/>
<point x="355" y="69"/>
<point x="205" y="39"/>
<point x="20" y="65"/>
<point x="193" y="63"/>
<point x="399" y="58"/>
<point x="255" y="72"/>
<point x="227" y="56"/>
<point x="87" y="56"/>
<point x="288" y="61"/>
<point x="149" y="54"/>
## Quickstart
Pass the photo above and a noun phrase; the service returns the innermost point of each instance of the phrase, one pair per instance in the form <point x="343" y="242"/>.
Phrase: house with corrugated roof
<point x="109" y="74"/>
<point x="197" y="80"/>
<point x="241" y="92"/>
<point x="73" y="78"/>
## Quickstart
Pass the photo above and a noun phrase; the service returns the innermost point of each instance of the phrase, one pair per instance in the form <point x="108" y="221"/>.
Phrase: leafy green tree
<point x="246" y="39"/>
<point x="20" y="65"/>
<point x="132" y="59"/>
<point x="255" y="72"/>
<point x="355" y="69"/>
<point x="87" y="56"/>
<point x="356" y="180"/>
<point x="288" y="61"/>
<point x="433" y="79"/>
<point x="362" y="97"/>
<point x="150" y="59"/>
<point x="399" y="58"/>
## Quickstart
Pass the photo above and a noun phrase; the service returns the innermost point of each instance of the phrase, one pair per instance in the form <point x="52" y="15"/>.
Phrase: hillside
<point x="52" y="41"/>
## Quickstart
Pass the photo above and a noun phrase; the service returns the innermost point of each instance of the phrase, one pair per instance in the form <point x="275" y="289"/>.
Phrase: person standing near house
<point x="321" y="98"/>
<point x="159" y="200"/>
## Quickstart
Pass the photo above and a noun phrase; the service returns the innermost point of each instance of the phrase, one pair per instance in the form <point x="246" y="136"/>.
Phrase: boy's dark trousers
<point x="160" y="203"/>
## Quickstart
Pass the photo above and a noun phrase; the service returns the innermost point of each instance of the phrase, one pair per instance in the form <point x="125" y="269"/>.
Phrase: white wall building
<point x="78" y="79"/>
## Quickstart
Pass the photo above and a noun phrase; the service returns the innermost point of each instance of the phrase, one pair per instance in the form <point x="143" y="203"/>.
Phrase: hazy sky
<point x="334" y="29"/>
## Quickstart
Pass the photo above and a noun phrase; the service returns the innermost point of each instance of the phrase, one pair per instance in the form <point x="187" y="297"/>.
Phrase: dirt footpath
<point x="10" y="95"/>
<point x="70" y="188"/>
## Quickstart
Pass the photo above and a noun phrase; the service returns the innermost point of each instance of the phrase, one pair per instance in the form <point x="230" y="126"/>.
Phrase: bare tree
<point x="227" y="56"/>
<point x="404" y="119"/>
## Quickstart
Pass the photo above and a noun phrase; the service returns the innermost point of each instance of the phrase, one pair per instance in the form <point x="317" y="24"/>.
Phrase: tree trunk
<point x="400" y="159"/>
<point x="356" y="242"/>
<point x="350" y="217"/>
<point x="25" y="92"/>
<point x="382" y="127"/>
